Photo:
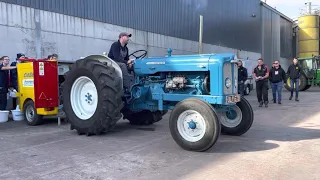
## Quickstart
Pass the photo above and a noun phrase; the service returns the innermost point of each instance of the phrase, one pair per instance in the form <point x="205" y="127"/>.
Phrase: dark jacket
<point x="262" y="72"/>
<point x="4" y="83"/>
<point x="242" y="74"/>
<point x="14" y="77"/>
<point x="119" y="53"/>
<point x="277" y="75"/>
<point x="294" y="71"/>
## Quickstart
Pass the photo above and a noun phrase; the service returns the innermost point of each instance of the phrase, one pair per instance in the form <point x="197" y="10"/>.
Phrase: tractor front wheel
<point x="92" y="97"/>
<point x="194" y="125"/>
<point x="30" y="114"/>
<point x="237" y="119"/>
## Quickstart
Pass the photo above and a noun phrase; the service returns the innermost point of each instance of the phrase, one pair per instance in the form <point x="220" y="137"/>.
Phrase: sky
<point x="291" y="8"/>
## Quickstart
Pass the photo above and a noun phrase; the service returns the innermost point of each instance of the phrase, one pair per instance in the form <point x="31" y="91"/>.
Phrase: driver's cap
<point x="124" y="34"/>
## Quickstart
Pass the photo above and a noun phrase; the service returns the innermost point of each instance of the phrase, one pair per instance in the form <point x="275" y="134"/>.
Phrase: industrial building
<point x="73" y="28"/>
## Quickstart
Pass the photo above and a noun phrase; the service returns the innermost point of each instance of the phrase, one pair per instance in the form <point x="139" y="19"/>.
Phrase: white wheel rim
<point x="229" y="119"/>
<point x="191" y="125"/>
<point x="247" y="90"/>
<point x="84" y="97"/>
<point x="30" y="113"/>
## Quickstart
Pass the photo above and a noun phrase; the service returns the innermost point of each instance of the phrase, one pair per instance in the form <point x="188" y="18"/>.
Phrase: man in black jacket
<point x="4" y="80"/>
<point x="294" y="72"/>
<point x="277" y="77"/>
<point x="261" y="75"/>
<point x="242" y="77"/>
<point x="119" y="51"/>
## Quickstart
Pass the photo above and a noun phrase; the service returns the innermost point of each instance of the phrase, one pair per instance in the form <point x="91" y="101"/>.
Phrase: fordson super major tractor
<point x="201" y="90"/>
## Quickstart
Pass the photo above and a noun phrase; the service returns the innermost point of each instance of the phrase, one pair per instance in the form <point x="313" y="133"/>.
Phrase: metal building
<point x="249" y="28"/>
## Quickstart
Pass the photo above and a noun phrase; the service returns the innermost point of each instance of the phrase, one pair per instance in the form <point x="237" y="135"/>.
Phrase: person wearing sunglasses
<point x="277" y="77"/>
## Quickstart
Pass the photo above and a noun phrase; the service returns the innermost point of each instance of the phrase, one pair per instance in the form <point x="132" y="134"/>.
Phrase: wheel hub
<point x="191" y="125"/>
<point x="231" y="114"/>
<point x="231" y="117"/>
<point x="88" y="98"/>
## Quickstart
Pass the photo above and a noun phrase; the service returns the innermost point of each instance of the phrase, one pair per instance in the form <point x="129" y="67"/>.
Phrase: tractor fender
<point x="106" y="59"/>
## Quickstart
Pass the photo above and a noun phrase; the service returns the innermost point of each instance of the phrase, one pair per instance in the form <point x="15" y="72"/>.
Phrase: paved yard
<point x="284" y="143"/>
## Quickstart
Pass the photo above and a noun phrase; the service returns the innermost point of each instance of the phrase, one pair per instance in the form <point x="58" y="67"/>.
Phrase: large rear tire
<point x="194" y="125"/>
<point x="302" y="83"/>
<point x="238" y="119"/>
<point x="92" y="97"/>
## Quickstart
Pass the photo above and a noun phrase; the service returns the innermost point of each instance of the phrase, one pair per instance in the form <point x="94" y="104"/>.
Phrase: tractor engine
<point x="176" y="83"/>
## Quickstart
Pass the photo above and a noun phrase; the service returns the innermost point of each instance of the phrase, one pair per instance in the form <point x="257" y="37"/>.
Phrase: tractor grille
<point x="230" y="70"/>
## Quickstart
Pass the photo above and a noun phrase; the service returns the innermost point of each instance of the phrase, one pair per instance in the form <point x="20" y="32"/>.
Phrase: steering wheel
<point x="141" y="56"/>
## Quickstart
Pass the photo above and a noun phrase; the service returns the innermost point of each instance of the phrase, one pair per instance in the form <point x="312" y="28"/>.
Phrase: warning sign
<point x="41" y="68"/>
<point x="42" y="96"/>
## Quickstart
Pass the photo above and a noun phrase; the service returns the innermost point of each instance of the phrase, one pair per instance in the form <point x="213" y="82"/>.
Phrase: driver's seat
<point x="128" y="78"/>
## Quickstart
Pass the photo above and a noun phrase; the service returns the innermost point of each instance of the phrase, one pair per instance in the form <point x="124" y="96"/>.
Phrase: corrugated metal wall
<point x="270" y="34"/>
<point x="276" y="37"/>
<point x="286" y="39"/>
<point x="226" y="22"/>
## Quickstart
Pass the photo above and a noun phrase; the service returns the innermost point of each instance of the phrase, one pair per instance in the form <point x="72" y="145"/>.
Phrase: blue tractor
<point x="199" y="90"/>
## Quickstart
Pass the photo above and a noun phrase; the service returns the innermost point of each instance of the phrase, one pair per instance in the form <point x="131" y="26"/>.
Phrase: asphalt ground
<point x="283" y="143"/>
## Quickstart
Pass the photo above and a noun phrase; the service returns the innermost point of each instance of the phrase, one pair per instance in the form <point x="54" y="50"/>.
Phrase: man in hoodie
<point x="242" y="77"/>
<point x="294" y="72"/>
<point x="277" y="78"/>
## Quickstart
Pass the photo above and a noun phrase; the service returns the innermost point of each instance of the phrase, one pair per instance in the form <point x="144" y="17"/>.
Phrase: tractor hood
<point x="179" y="63"/>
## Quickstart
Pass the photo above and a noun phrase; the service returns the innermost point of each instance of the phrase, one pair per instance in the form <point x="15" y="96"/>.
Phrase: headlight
<point x="227" y="82"/>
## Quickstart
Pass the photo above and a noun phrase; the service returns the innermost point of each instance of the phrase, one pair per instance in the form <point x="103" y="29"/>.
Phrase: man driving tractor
<point x="119" y="51"/>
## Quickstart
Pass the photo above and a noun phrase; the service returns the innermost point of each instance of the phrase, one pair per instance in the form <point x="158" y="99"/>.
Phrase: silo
<point x="309" y="36"/>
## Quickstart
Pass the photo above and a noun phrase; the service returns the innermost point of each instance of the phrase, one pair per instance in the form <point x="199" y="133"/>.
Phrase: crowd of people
<point x="277" y="77"/>
<point x="9" y="78"/>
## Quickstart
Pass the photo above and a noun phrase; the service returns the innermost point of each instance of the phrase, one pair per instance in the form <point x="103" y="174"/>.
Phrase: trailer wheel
<point x="144" y="117"/>
<point x="238" y="119"/>
<point x="194" y="125"/>
<point x="92" y="97"/>
<point x="30" y="114"/>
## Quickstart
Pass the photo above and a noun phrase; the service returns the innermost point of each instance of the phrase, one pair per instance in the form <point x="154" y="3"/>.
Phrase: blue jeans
<point x="241" y="88"/>
<point x="296" y="82"/>
<point x="277" y="88"/>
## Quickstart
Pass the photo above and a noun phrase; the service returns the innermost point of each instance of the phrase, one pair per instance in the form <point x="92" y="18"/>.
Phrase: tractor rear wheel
<point x="145" y="117"/>
<point x="92" y="97"/>
<point x="238" y="119"/>
<point x="302" y="83"/>
<point x="194" y="125"/>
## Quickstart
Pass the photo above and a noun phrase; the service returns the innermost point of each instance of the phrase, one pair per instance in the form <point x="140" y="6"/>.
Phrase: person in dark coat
<point x="4" y="81"/>
<point x="242" y="77"/>
<point x="277" y="77"/>
<point x="261" y="75"/>
<point x="14" y="78"/>
<point x="294" y="72"/>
